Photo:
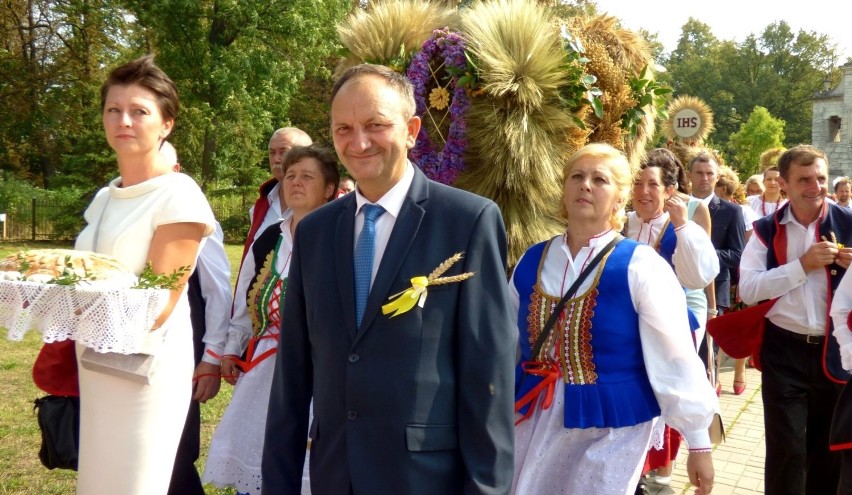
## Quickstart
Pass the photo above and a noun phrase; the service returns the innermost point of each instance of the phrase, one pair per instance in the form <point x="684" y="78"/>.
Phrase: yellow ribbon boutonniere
<point x="405" y="300"/>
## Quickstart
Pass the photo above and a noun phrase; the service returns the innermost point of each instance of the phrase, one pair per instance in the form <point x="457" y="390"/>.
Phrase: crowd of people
<point x="375" y="345"/>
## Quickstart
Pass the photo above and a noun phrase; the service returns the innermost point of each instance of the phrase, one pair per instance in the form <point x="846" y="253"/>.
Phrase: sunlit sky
<point x="735" y="19"/>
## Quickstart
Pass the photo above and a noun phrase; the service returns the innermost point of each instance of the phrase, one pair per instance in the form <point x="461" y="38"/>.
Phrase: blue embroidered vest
<point x="596" y="342"/>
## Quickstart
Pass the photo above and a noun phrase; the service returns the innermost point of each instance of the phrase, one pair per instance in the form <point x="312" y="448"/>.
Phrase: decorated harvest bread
<point x="38" y="264"/>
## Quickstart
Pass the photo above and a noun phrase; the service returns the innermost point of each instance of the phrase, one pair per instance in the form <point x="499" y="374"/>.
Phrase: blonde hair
<point x="731" y="182"/>
<point x="619" y="167"/>
<point x="728" y="179"/>
<point x="756" y="179"/>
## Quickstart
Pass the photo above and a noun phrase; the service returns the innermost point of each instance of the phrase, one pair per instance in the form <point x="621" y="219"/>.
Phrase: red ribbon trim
<point x="251" y="360"/>
<point x="840" y="446"/>
<point x="542" y="393"/>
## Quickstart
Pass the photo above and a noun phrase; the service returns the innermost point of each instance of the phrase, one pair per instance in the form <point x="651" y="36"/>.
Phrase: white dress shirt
<point x="763" y="208"/>
<point x="706" y="200"/>
<point x="392" y="203"/>
<point x="749" y="217"/>
<point x="214" y="276"/>
<point x="676" y="373"/>
<point x="802" y="304"/>
<point x="841" y="305"/>
<point x="695" y="260"/>
<point x="274" y="213"/>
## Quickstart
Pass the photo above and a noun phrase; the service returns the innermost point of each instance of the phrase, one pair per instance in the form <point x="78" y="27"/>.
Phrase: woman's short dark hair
<point x="325" y="158"/>
<point x="145" y="73"/>
<point x="670" y="167"/>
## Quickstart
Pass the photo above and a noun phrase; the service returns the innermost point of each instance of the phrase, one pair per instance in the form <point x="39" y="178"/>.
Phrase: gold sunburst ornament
<point x="690" y="120"/>
<point x="405" y="300"/>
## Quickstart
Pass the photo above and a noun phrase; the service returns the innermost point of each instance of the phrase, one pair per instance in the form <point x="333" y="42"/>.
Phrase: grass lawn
<point x="21" y="471"/>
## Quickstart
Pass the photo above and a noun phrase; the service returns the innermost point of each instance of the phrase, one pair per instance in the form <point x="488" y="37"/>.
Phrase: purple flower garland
<point x="448" y="47"/>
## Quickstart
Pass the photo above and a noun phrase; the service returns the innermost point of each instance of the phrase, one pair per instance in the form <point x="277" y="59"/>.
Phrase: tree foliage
<point x="52" y="55"/>
<point x="246" y="67"/>
<point x="779" y="70"/>
<point x="238" y="66"/>
<point x="759" y="133"/>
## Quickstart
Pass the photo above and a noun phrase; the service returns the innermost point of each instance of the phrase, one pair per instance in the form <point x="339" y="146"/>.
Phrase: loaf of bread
<point x="41" y="265"/>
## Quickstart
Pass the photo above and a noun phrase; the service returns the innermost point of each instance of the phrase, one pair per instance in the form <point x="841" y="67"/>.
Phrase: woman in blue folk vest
<point x="678" y="228"/>
<point x="591" y="387"/>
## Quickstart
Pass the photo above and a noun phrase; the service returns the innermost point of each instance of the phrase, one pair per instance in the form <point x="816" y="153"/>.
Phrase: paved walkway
<point x="739" y="460"/>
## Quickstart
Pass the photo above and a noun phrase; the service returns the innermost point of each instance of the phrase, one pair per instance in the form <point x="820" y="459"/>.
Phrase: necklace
<point x="286" y="263"/>
<point x="763" y="205"/>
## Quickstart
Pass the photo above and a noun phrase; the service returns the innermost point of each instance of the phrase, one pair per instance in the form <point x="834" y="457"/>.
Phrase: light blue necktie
<point x="365" y="249"/>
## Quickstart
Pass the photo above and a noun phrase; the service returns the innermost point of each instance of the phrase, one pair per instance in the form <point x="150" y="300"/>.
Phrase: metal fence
<point x="37" y="220"/>
<point x="54" y="220"/>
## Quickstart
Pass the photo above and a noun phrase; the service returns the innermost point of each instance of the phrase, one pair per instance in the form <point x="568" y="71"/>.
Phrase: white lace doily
<point x="100" y="315"/>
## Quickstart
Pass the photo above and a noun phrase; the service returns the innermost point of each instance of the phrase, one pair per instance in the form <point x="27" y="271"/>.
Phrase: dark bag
<point x="59" y="421"/>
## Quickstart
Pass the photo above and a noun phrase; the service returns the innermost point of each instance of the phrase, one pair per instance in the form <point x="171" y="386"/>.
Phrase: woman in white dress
<point x="310" y="180"/>
<point x="771" y="198"/>
<point x="129" y="432"/>
<point x="618" y="355"/>
<point x="660" y="204"/>
<point x="663" y="219"/>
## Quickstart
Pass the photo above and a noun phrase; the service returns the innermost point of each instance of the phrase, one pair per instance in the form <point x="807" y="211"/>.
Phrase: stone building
<point x="831" y="129"/>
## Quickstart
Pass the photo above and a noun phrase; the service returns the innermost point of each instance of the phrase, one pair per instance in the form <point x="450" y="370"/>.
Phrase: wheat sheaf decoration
<point x="502" y="99"/>
<point x="517" y="136"/>
<point x="390" y="32"/>
<point x="616" y="55"/>
<point x="769" y="158"/>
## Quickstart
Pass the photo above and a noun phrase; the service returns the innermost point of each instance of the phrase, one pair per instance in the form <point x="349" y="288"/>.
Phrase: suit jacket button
<point x="354" y="358"/>
<point x="352" y="415"/>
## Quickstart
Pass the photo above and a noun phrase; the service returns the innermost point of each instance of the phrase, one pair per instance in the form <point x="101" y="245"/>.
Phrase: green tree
<point x="782" y="70"/>
<point x="759" y="133"/>
<point x="779" y="70"/>
<point x="238" y="65"/>
<point x="51" y="58"/>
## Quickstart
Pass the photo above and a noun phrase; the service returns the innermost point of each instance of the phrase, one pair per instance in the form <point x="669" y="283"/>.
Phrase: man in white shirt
<point x="347" y="185"/>
<point x="270" y="206"/>
<point x="797" y="256"/>
<point x="209" y="294"/>
<point x="842" y="189"/>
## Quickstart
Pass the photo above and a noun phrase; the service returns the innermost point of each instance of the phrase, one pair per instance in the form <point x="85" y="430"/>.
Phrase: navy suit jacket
<point x="421" y="403"/>
<point x="727" y="232"/>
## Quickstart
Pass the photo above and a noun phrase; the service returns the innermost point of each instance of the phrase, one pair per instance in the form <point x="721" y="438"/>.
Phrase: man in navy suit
<point x="420" y="402"/>
<point x="727" y="232"/>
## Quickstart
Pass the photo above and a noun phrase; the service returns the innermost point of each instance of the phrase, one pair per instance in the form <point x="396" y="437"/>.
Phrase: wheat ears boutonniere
<point x="834" y="240"/>
<point x="416" y="294"/>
